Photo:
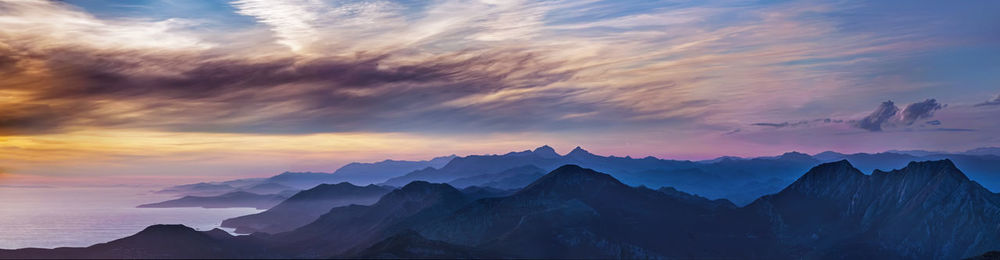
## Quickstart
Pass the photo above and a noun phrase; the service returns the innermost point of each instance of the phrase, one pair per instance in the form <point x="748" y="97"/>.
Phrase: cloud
<point x="800" y="123"/>
<point x="919" y="110"/>
<point x="992" y="102"/>
<point x="889" y="115"/>
<point x="882" y="114"/>
<point x="304" y="66"/>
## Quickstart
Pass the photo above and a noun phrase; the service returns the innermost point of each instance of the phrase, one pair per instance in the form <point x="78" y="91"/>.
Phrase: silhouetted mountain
<point x="154" y="242"/>
<point x="695" y="199"/>
<point x="203" y="189"/>
<point x="991" y="255"/>
<point x="409" y="245"/>
<point x="579" y="213"/>
<point x="927" y="210"/>
<point x="476" y="192"/>
<point x="514" y="178"/>
<point x="306" y="206"/>
<point x="238" y="199"/>
<point x="981" y="168"/>
<point x="545" y="151"/>
<point x="359" y="227"/>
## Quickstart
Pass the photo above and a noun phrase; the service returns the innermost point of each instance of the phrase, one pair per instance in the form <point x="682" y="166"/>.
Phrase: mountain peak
<point x="929" y="169"/>
<point x="828" y="177"/>
<point x="165" y="230"/>
<point x="423" y="189"/>
<point x="545" y="151"/>
<point x="571" y="179"/>
<point x="578" y="152"/>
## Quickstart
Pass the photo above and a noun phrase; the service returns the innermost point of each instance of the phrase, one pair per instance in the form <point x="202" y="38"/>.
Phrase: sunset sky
<point x="176" y="90"/>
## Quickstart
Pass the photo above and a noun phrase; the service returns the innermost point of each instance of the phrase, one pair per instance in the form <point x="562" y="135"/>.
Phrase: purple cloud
<point x="920" y="110"/>
<point x="881" y="115"/>
<point x="992" y="102"/>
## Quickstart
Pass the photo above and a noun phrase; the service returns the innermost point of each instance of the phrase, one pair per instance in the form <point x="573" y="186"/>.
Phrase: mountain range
<point x="305" y="207"/>
<point x="925" y="210"/>
<point x="236" y="199"/>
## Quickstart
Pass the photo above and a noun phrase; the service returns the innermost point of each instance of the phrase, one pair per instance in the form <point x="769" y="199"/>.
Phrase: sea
<point x="50" y="217"/>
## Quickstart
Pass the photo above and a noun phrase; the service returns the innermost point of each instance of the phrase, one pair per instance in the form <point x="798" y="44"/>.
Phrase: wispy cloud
<point x="992" y="102"/>
<point x="471" y="67"/>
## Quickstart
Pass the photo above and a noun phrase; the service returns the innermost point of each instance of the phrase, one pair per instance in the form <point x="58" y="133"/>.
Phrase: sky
<point x="170" y="90"/>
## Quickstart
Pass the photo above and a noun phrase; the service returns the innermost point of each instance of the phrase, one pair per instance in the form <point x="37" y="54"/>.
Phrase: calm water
<point x="58" y="217"/>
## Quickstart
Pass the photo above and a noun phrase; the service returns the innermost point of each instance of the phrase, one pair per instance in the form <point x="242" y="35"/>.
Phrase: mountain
<point x="269" y="188"/>
<point x="476" y="192"/>
<point x="738" y="180"/>
<point x="474" y="165"/>
<point x="917" y="153"/>
<point x="154" y="242"/>
<point x="357" y="227"/>
<point x="984" y="151"/>
<point x="238" y="199"/>
<point x="409" y="245"/>
<point x="926" y="210"/>
<point x="202" y="188"/>
<point x="370" y="173"/>
<point x="574" y="212"/>
<point x="306" y="206"/>
<point x="356" y="173"/>
<point x="513" y="178"/>
<point x="695" y="199"/>
<point x="982" y="168"/>
<point x="716" y="179"/>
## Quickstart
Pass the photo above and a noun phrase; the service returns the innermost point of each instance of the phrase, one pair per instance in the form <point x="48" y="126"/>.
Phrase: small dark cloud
<point x="800" y="123"/>
<point x="734" y="131"/>
<point x="992" y="102"/>
<point x="953" y="129"/>
<point x="881" y="115"/>
<point x="934" y="122"/>
<point x="775" y="125"/>
<point x="919" y="110"/>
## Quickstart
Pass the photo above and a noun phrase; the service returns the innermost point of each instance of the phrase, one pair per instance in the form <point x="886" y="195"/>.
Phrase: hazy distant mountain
<point x="513" y="178"/>
<point x="370" y="173"/>
<point x="269" y="188"/>
<point x="984" y="151"/>
<point x="474" y="165"/>
<point x="238" y="199"/>
<point x="754" y="177"/>
<point x="306" y="206"/>
<point x="154" y="242"/>
<point x="203" y="189"/>
<point x="355" y="173"/>
<point x="927" y="210"/>
<point x="917" y="153"/>
<point x="740" y="180"/>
